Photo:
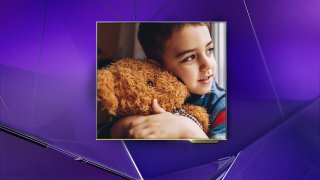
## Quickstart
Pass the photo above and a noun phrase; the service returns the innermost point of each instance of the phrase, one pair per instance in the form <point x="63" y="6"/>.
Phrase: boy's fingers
<point x="137" y="133"/>
<point x="156" y="107"/>
<point x="140" y="131"/>
<point x="137" y="122"/>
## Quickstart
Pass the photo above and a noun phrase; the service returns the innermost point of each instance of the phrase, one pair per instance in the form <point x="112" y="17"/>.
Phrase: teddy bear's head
<point x="128" y="86"/>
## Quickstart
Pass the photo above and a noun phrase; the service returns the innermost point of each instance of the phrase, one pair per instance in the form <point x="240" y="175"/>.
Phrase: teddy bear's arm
<point x="200" y="114"/>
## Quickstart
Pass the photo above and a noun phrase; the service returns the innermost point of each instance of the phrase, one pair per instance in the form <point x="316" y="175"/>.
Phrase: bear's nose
<point x="150" y="83"/>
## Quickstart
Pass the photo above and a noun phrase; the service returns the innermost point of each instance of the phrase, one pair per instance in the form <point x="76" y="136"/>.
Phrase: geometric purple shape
<point x="47" y="74"/>
<point x="289" y="39"/>
<point x="206" y="171"/>
<point x="51" y="115"/>
<point x="247" y="120"/>
<point x="289" y="151"/>
<point x="21" y="159"/>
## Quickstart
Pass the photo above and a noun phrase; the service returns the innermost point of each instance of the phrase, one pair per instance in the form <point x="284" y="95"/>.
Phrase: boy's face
<point x="188" y="54"/>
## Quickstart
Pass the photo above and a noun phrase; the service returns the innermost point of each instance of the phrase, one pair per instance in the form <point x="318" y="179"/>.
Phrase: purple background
<point x="47" y="83"/>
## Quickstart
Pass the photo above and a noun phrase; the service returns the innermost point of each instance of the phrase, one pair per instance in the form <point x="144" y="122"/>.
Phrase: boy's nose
<point x="206" y="63"/>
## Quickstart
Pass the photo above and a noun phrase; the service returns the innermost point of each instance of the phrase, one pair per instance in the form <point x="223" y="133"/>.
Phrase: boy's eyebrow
<point x="190" y="50"/>
<point x="211" y="42"/>
<point x="184" y="52"/>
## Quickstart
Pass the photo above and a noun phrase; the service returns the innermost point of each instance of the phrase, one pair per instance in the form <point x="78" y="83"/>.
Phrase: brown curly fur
<point x="123" y="89"/>
<point x="106" y="91"/>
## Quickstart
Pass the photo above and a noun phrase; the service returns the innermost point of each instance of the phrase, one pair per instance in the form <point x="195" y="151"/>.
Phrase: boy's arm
<point x="120" y="128"/>
<point x="165" y="125"/>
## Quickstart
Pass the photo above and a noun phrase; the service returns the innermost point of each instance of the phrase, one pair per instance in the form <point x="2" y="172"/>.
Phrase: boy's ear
<point x="106" y="91"/>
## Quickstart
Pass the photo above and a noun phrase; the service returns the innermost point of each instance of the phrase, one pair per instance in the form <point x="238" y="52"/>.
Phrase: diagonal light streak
<point x="35" y="86"/>
<point x="134" y="164"/>
<point x="111" y="11"/>
<point x="160" y="10"/>
<point x="6" y="107"/>
<point x="265" y="64"/>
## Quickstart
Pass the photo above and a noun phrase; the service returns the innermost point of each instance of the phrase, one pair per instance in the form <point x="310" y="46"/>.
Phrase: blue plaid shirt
<point x="215" y="103"/>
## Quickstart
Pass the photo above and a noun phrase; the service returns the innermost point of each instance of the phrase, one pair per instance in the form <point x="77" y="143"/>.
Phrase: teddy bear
<point x="128" y="86"/>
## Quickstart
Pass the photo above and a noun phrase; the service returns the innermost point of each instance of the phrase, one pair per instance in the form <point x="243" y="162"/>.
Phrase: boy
<point x="185" y="50"/>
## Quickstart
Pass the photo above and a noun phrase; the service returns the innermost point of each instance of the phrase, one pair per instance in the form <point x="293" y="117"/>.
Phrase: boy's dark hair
<point x="153" y="36"/>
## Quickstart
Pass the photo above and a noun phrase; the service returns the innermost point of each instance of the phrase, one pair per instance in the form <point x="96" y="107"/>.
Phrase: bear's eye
<point x="150" y="83"/>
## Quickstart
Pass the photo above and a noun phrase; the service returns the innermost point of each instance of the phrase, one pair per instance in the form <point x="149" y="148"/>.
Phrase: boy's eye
<point x="210" y="51"/>
<point x="189" y="58"/>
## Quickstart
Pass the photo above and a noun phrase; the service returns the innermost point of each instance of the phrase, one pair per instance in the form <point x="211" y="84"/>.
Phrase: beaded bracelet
<point x="182" y="112"/>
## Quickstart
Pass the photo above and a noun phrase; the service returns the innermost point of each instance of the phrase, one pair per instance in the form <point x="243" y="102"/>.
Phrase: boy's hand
<point x="164" y="125"/>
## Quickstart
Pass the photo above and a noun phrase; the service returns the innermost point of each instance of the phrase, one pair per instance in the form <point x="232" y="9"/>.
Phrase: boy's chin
<point x="201" y="91"/>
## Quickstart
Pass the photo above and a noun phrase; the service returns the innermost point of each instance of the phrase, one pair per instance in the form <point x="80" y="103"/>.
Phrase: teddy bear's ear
<point x="106" y="95"/>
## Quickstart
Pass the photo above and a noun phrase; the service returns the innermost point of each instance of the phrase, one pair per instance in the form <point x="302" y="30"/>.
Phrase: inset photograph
<point x="161" y="81"/>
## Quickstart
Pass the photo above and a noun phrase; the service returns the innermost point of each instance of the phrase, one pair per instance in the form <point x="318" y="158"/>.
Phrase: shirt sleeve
<point x="217" y="125"/>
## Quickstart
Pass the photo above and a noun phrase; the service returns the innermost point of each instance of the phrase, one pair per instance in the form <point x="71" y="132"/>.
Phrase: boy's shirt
<point x="215" y="103"/>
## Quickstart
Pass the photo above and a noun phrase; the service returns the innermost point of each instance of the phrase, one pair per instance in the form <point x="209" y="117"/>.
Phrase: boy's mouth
<point x="206" y="79"/>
